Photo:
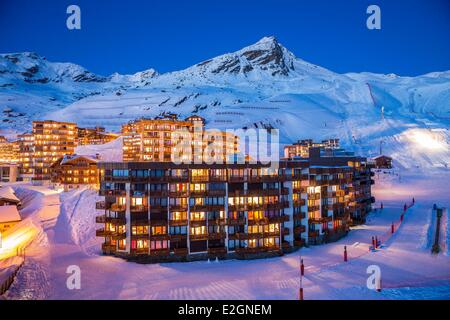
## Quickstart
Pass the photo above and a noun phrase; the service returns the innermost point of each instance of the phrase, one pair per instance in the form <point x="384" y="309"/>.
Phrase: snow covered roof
<point x="7" y="193"/>
<point x="69" y="158"/>
<point x="9" y="213"/>
<point x="381" y="156"/>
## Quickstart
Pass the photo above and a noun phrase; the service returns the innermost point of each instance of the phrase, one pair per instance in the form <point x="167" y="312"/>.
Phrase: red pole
<point x="345" y="253"/>
<point x="376" y="242"/>
<point x="392" y="228"/>
<point x="302" y="268"/>
<point x="301" y="294"/>
<point x="373" y="243"/>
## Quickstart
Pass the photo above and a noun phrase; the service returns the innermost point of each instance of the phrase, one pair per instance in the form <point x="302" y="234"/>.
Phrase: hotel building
<point x="96" y="135"/>
<point x="165" y="212"/>
<point x="51" y="141"/>
<point x="154" y="140"/>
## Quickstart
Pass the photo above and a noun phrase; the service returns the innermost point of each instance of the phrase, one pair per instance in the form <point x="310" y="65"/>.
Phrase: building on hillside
<point x="8" y="151"/>
<point x="96" y="135"/>
<point x="9" y="217"/>
<point x="164" y="211"/>
<point x="74" y="171"/>
<point x="154" y="140"/>
<point x="8" y="197"/>
<point x="51" y="141"/>
<point x="9" y="172"/>
<point x="301" y="147"/>
<point x="383" y="162"/>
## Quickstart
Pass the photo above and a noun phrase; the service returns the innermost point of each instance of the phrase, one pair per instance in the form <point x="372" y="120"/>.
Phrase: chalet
<point x="74" y="171"/>
<point x="8" y="197"/>
<point x="383" y="162"/>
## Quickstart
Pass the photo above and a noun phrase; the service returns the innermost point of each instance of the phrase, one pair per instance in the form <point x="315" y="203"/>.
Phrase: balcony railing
<point x="239" y="221"/>
<point x="139" y="208"/>
<point x="118" y="207"/>
<point x="217" y="235"/>
<point x="198" y="236"/>
<point x="175" y="223"/>
<point x="180" y="251"/>
<point x="217" y="250"/>
<point x="100" y="205"/>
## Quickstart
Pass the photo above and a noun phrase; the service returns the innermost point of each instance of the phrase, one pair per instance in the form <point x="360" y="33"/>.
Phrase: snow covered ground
<point x="409" y="271"/>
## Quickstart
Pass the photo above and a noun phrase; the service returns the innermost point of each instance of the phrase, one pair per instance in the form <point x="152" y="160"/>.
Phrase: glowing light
<point x="16" y="240"/>
<point x="426" y="139"/>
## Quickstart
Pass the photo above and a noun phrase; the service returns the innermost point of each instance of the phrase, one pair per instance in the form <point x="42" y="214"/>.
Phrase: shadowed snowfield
<point x="409" y="271"/>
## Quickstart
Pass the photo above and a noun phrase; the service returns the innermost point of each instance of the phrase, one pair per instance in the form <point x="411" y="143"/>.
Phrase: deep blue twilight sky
<point x="132" y="35"/>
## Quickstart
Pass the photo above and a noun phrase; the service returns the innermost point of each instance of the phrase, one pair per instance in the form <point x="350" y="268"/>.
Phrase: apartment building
<point x="301" y="147"/>
<point x="51" y="141"/>
<point x="156" y="140"/>
<point x="26" y="146"/>
<point x="162" y="211"/>
<point x="8" y="151"/>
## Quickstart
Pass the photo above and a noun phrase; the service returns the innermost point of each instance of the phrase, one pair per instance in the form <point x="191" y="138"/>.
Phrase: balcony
<point x="100" y="205"/>
<point x="159" y="194"/>
<point x="197" y="222"/>
<point x="118" y="207"/>
<point x="299" y="202"/>
<point x="217" y="222"/>
<point x="181" y="251"/>
<point x="116" y="193"/>
<point x="178" y="179"/>
<point x="158" y="222"/>
<point x="285" y="232"/>
<point x="279" y="219"/>
<point x="239" y="221"/>
<point x="178" y="207"/>
<point x="143" y="236"/>
<point x="258" y="221"/>
<point x="139" y="208"/>
<point x="299" y="216"/>
<point x="178" y="194"/>
<point x="113" y="220"/>
<point x="176" y="223"/>
<point x="299" y="230"/>
<point x="257" y="250"/>
<point x="199" y="179"/>
<point x="216" y="193"/>
<point x="100" y="219"/>
<point x="217" y="236"/>
<point x="140" y="221"/>
<point x="159" y="252"/>
<point x="207" y="207"/>
<point x="217" y="251"/>
<point x="160" y="237"/>
<point x="198" y="236"/>
<point x="177" y="237"/>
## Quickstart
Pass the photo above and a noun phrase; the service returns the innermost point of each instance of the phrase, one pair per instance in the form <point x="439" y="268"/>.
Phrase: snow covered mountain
<point x="260" y="86"/>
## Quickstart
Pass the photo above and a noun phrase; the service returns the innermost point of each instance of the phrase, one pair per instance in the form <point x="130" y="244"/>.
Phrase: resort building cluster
<point x="157" y="210"/>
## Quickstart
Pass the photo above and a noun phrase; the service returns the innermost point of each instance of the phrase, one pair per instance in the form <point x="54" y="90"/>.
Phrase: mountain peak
<point x="267" y="56"/>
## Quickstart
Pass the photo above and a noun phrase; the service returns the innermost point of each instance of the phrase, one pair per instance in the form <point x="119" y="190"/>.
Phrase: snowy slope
<point x="260" y="86"/>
